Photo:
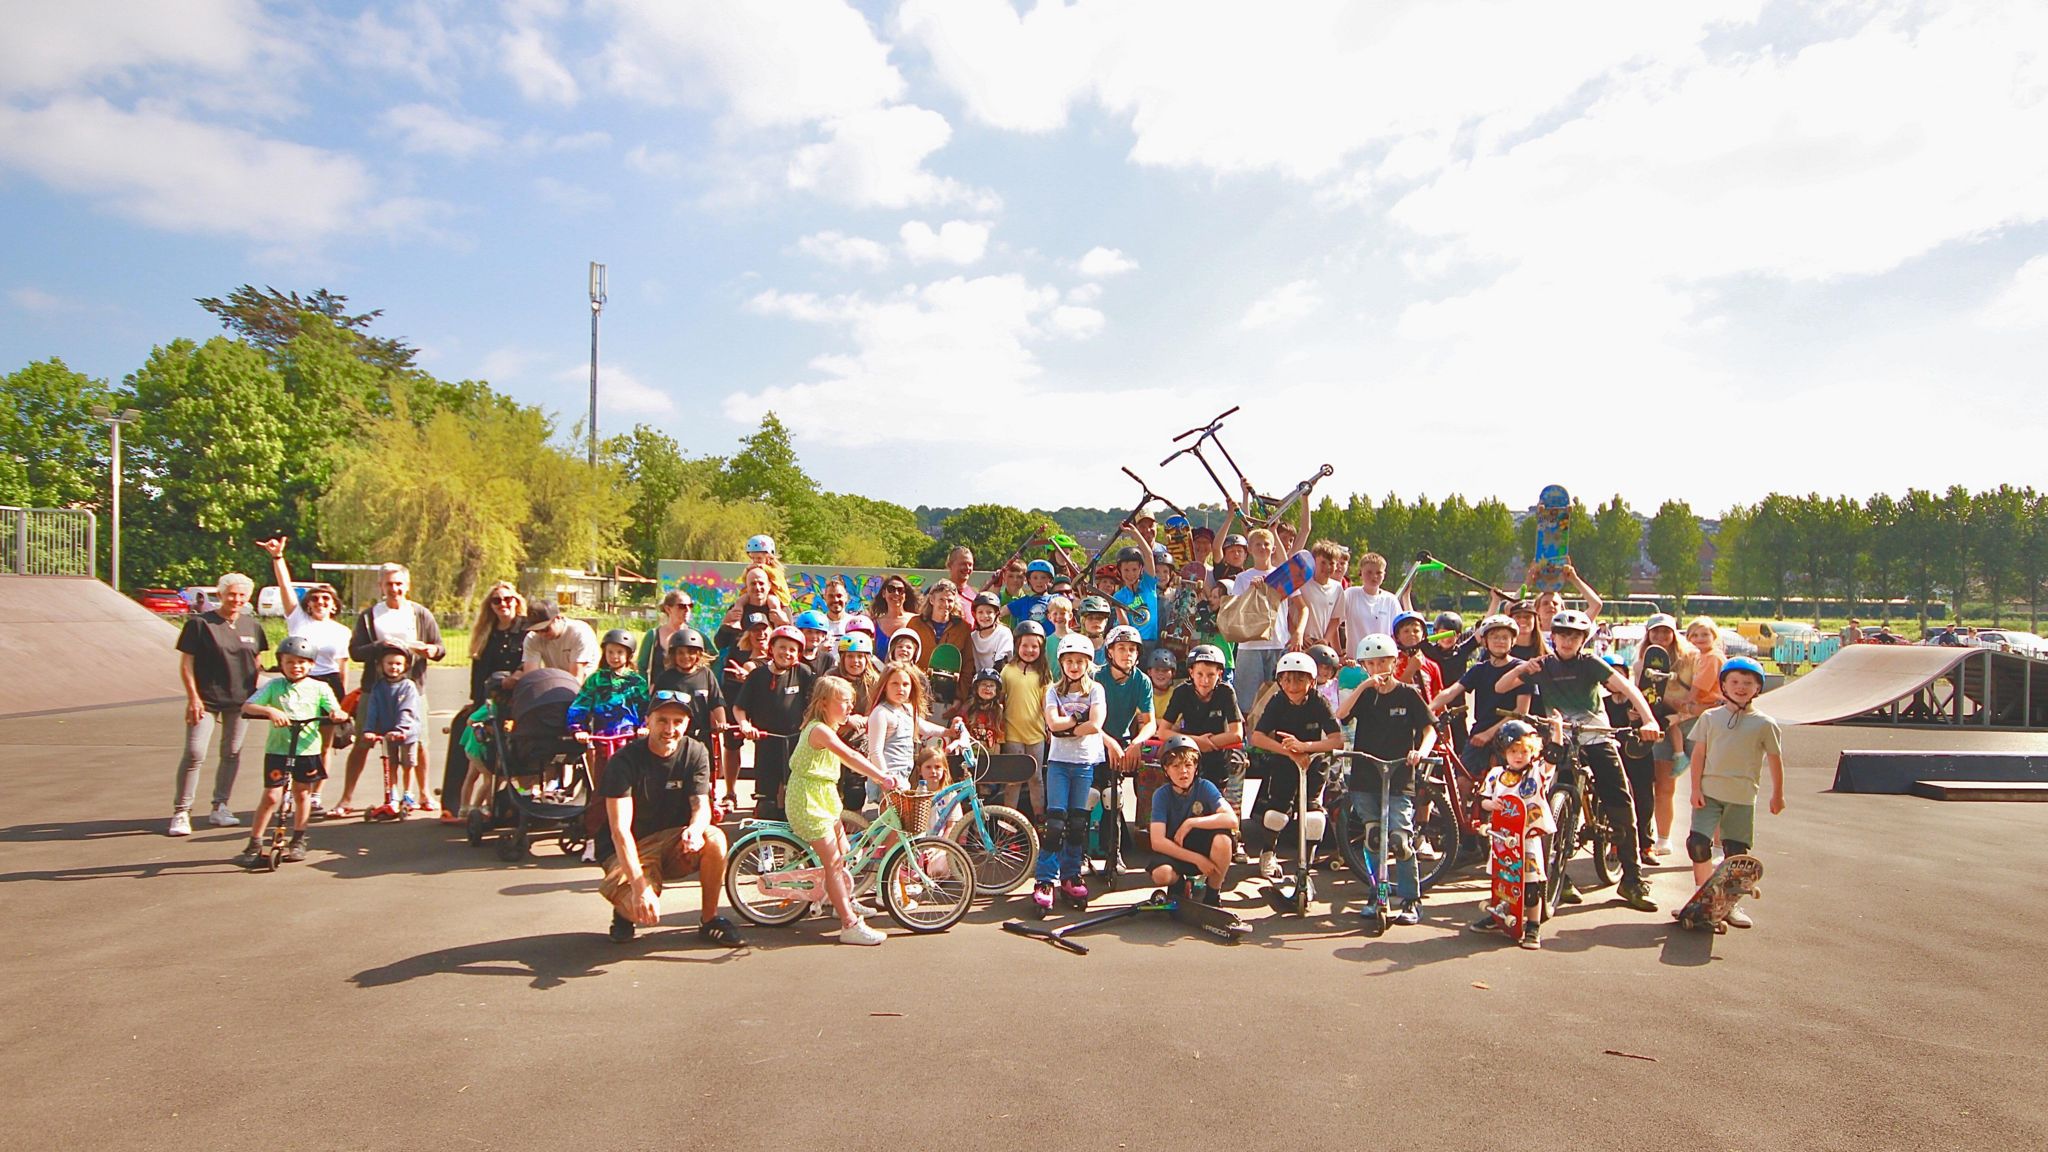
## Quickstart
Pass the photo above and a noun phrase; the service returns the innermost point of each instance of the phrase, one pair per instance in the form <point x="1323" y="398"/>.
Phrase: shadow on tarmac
<point x="81" y="830"/>
<point x="551" y="960"/>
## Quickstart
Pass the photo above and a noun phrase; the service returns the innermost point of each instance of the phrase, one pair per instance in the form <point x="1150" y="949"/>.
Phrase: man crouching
<point x="657" y="801"/>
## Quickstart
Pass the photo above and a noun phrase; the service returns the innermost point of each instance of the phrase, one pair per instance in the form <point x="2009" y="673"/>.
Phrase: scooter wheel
<point x="476" y="826"/>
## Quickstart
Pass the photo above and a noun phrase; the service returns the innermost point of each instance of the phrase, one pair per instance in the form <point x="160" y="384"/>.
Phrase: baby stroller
<point x="542" y="783"/>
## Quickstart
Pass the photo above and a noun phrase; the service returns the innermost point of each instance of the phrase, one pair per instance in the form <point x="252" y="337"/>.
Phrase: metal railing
<point x="49" y="541"/>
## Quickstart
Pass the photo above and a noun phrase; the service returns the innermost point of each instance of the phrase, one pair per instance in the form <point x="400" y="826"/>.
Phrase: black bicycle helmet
<point x="1324" y="655"/>
<point x="1131" y="555"/>
<point x="1448" y="622"/>
<point x="1178" y="744"/>
<point x="621" y="637"/>
<point x="686" y="638"/>
<point x="1512" y="731"/>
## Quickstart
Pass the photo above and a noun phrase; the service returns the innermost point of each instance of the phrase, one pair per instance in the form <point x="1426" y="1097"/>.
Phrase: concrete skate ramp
<point x="1859" y="679"/>
<point x="71" y="642"/>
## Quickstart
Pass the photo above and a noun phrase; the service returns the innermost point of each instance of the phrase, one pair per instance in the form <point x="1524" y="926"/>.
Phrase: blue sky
<point x="973" y="250"/>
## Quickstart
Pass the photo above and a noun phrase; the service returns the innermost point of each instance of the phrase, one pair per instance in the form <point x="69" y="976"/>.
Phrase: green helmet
<point x="1095" y="606"/>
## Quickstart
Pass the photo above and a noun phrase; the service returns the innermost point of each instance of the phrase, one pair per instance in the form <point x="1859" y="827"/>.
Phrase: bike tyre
<point x="1006" y="857"/>
<point x="1437" y="823"/>
<point x="744" y="860"/>
<point x="915" y="864"/>
<point x="1606" y="853"/>
<point x="1564" y="811"/>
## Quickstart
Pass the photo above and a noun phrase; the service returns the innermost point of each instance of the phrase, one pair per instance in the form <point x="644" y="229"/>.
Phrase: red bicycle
<point x="1447" y="812"/>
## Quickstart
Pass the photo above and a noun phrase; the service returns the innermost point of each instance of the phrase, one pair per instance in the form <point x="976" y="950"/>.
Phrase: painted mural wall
<point x="714" y="584"/>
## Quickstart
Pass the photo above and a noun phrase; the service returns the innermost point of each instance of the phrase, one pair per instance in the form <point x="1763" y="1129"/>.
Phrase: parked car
<point x="1736" y="644"/>
<point x="201" y="597"/>
<point x="270" y="602"/>
<point x="2010" y="640"/>
<point x="162" y="601"/>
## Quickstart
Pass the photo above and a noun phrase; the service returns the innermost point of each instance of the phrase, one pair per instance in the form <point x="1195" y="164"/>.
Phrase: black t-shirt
<point x="1308" y="721"/>
<point x="1191" y="715"/>
<point x="775" y="701"/>
<point x="504" y="651"/>
<point x="704" y="693"/>
<point x="1452" y="661"/>
<point x="223" y="657"/>
<point x="1572" y="687"/>
<point x="1487" y="701"/>
<point x="1389" y="725"/>
<point x="665" y="791"/>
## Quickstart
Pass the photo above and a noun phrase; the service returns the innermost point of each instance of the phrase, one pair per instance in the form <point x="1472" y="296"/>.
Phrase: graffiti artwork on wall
<point x="715" y="584"/>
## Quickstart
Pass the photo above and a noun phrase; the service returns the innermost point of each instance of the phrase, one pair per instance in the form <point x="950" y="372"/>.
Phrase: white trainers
<point x="1740" y="919"/>
<point x="222" y="818"/>
<point x="181" y="824"/>
<point x="1269" y="866"/>
<point x="860" y="933"/>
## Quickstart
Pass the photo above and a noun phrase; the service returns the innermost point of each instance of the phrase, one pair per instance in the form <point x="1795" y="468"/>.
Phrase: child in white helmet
<point x="1074" y="709"/>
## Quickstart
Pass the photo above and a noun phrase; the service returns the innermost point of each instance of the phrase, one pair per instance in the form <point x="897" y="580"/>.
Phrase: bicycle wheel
<point x="756" y="855"/>
<point x="1564" y="811"/>
<point x="1436" y="826"/>
<point x="1004" y="854"/>
<point x="929" y="885"/>
<point x="1353" y="828"/>
<point x="1606" y="852"/>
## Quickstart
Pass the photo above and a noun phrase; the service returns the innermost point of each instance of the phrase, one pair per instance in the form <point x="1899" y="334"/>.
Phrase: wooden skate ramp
<point x="71" y="642"/>
<point x="1916" y="686"/>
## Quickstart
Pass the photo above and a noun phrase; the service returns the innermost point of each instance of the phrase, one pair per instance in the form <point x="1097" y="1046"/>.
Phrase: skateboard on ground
<point x="1709" y="907"/>
<point x="1553" y="536"/>
<point x="1507" y="862"/>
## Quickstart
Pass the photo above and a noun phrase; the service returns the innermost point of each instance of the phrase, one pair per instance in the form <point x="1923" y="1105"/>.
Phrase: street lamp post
<point x="597" y="299"/>
<point x="106" y="416"/>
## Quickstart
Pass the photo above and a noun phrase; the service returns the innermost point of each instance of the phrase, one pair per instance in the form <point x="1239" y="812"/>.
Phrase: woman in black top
<point x="217" y="653"/>
<point x="497" y="643"/>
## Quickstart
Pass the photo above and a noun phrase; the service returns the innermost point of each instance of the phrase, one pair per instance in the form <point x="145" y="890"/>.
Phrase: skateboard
<point x="1179" y="537"/>
<point x="1553" y="536"/>
<point x="1655" y="674"/>
<point x="1709" y="907"/>
<point x="1292" y="574"/>
<point x="945" y="673"/>
<point x="1507" y="862"/>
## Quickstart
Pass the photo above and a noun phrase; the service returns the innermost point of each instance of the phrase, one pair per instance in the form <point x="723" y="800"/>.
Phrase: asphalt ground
<point x="403" y="990"/>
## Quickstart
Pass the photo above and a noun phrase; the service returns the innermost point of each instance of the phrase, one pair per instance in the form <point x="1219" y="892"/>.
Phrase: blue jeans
<point x="1254" y="669"/>
<point x="1400" y="822"/>
<point x="1066" y="791"/>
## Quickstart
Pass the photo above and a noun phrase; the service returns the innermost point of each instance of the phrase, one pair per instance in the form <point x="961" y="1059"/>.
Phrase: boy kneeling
<point x="1192" y="824"/>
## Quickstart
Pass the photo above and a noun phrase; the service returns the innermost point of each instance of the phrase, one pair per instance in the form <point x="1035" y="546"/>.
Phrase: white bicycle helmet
<point x="1296" y="662"/>
<point x="1075" y="644"/>
<point x="1377" y="645"/>
<point x="1497" y="620"/>
<point x="1571" y="620"/>
<point x="1120" y="634"/>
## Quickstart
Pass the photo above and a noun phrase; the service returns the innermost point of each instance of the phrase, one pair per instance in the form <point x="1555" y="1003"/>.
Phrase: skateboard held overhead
<point x="1553" y="535"/>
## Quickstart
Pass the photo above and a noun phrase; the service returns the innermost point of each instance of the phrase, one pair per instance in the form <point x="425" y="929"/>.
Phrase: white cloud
<point x="1075" y="322"/>
<point x="1286" y="304"/>
<point x="32" y="299"/>
<point x="50" y="47"/>
<point x="784" y="64"/>
<point x="427" y="128"/>
<point x="570" y="197"/>
<point x="844" y="251"/>
<point x="654" y="161"/>
<point x="875" y="158"/>
<point x="523" y="53"/>
<point x="620" y="392"/>
<point x="1100" y="262"/>
<point x="186" y="176"/>
<point x="954" y="242"/>
<point x="2024" y="302"/>
<point x="916" y="346"/>
<point x="1084" y="293"/>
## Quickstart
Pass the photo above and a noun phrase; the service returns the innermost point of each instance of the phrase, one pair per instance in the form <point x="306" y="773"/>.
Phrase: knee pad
<point x="1700" y="848"/>
<point x="1312" y="825"/>
<point x="1094" y="798"/>
<point x="1077" y="834"/>
<point x="1056" y="827"/>
<point x="1400" y="845"/>
<point x="1274" y="820"/>
<point x="1734" y="847"/>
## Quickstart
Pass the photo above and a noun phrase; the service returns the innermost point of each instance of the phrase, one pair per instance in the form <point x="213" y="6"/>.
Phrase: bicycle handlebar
<point x="1573" y="726"/>
<point x="1354" y="754"/>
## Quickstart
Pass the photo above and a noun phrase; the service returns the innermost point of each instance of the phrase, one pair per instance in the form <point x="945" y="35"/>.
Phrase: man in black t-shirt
<point x="658" y="829"/>
<point x="769" y="710"/>
<point x="217" y="653"/>
<point x="1294" y="726"/>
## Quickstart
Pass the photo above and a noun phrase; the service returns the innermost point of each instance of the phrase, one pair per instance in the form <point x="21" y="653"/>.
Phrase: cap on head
<point x="543" y="611"/>
<point x="758" y="620"/>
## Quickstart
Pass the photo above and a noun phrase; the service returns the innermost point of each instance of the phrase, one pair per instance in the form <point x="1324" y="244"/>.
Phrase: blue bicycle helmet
<point x="813" y="621"/>
<point x="1394" y="629"/>
<point x="1044" y="566"/>
<point x="1742" y="664"/>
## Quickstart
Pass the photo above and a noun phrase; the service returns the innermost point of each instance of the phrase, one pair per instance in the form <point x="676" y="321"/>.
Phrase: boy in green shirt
<point x="295" y="704"/>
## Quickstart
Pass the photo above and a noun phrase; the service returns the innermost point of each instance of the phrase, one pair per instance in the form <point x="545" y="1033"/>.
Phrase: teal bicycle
<point x="1002" y="843"/>
<point x="927" y="882"/>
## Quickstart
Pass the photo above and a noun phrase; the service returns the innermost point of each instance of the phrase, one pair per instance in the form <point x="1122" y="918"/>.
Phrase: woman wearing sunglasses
<point x="895" y="606"/>
<point x="497" y="643"/>
<point x="313" y="618"/>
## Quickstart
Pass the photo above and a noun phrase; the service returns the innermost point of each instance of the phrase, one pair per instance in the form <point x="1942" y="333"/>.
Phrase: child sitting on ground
<point x="291" y="755"/>
<point x="1193" y="826"/>
<point x="1520" y="772"/>
<point x="1732" y="744"/>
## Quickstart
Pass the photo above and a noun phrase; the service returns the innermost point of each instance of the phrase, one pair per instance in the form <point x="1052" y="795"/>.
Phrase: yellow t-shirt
<point x="1023" y="705"/>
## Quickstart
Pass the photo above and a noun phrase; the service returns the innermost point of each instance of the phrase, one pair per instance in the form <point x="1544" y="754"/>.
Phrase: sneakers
<point x="1486" y="923"/>
<point x="1410" y="913"/>
<point x="1269" y="866"/>
<point x="859" y="933"/>
<point x="1211" y="897"/>
<point x="295" y="851"/>
<point x="1237" y="855"/>
<point x="1663" y="846"/>
<point x="181" y="824"/>
<point x="1532" y="936"/>
<point x="251" y="855"/>
<point x="1740" y="919"/>
<point x="1636" y="896"/>
<point x="622" y="929"/>
<point x="319" y="810"/>
<point x="1426" y="849"/>
<point x="222" y="818"/>
<point x="1042" y="896"/>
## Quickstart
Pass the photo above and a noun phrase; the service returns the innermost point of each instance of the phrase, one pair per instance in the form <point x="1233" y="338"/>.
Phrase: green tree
<point x="1606" y="555"/>
<point x="1675" y="539"/>
<point x="700" y="526"/>
<point x="1997" y="540"/>
<point x="1884" y="561"/>
<point x="53" y="453"/>
<point x="652" y="462"/>
<point x="2033" y="554"/>
<point x="1491" y="541"/>
<point x="993" y="531"/>
<point x="1735" y="573"/>
<point x="211" y="454"/>
<point x="1771" y="544"/>
<point x="270" y="320"/>
<point x="1923" y="536"/>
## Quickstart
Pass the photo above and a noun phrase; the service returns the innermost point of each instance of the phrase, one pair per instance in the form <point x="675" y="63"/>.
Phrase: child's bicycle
<point x="1581" y="820"/>
<point x="1000" y="841"/>
<point x="1448" y="818"/>
<point x="395" y="805"/>
<point x="280" y="839"/>
<point x="928" y="882"/>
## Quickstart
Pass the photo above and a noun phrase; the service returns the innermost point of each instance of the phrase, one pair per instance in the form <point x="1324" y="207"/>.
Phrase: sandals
<point x="719" y="930"/>
<point x="343" y="812"/>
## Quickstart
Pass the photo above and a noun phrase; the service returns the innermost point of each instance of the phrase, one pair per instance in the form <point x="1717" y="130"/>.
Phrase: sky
<point x="972" y="250"/>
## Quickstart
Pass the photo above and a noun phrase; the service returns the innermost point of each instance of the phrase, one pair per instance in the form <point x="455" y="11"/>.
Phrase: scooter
<point x="1293" y="894"/>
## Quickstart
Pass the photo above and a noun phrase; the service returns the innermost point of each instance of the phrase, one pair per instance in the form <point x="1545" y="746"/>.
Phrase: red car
<point x="162" y="601"/>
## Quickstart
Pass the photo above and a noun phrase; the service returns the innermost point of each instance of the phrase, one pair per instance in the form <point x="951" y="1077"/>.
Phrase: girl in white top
<point x="1074" y="708"/>
<point x="897" y="723"/>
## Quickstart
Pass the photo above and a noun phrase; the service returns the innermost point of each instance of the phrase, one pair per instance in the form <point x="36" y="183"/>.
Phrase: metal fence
<point x="49" y="541"/>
